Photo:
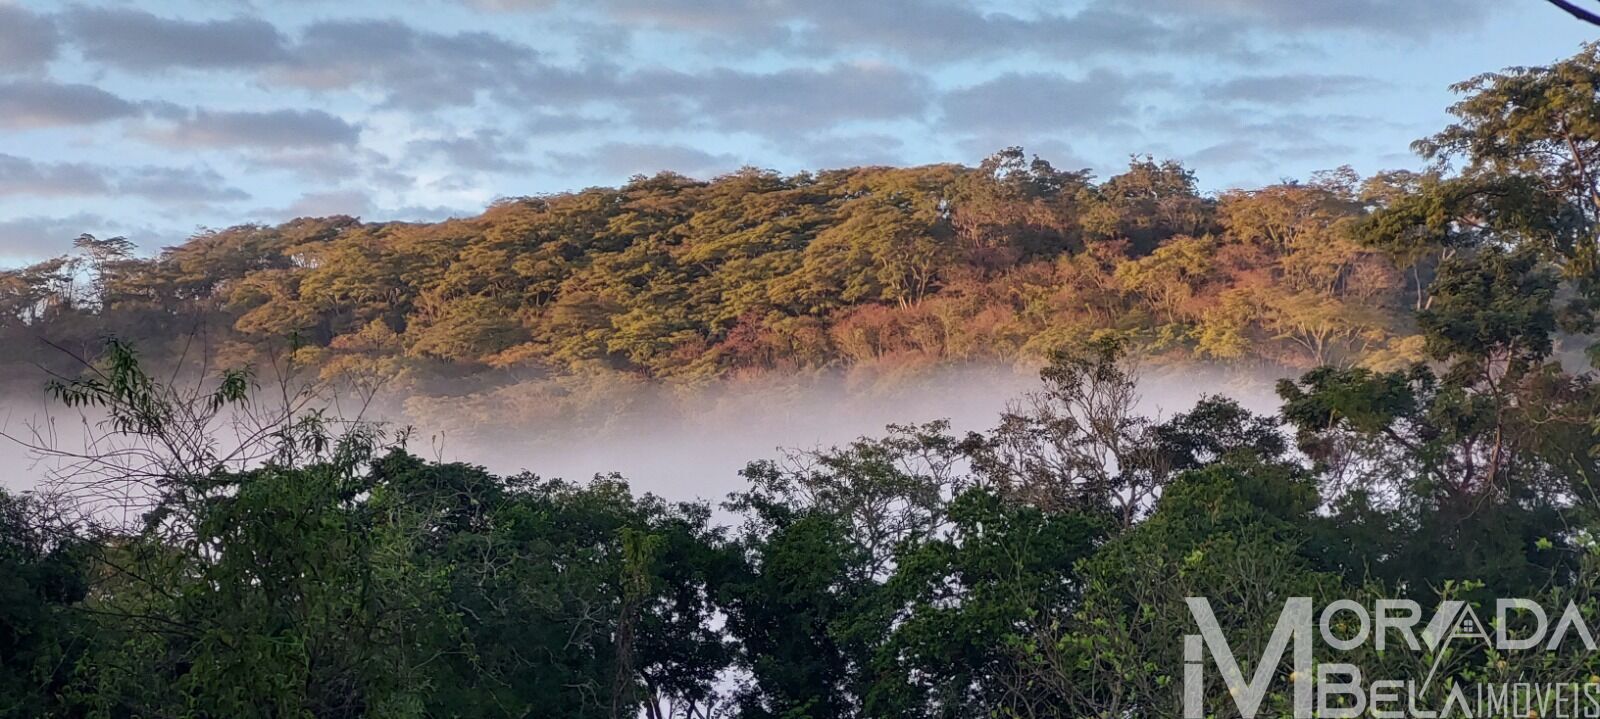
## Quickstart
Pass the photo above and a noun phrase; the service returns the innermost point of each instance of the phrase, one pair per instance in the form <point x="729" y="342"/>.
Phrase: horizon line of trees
<point x="671" y="278"/>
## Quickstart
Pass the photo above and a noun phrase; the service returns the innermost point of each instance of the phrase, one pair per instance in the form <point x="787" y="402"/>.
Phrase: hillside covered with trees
<point x="669" y="277"/>
<point x="275" y="561"/>
<point x="884" y="268"/>
<point x="677" y="278"/>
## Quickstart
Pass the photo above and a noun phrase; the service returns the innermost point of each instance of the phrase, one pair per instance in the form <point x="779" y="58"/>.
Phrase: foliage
<point x="677" y="279"/>
<point x="1439" y="449"/>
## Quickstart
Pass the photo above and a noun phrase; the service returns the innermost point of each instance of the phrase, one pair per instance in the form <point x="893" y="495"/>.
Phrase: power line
<point x="1577" y="12"/>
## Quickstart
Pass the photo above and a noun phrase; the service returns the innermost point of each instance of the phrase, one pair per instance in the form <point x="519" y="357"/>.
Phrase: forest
<point x="271" y="558"/>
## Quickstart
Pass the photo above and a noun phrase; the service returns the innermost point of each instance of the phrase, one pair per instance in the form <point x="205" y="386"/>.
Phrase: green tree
<point x="44" y="576"/>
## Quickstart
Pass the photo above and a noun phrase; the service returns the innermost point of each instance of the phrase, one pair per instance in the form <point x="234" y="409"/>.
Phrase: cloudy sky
<point x="152" y="119"/>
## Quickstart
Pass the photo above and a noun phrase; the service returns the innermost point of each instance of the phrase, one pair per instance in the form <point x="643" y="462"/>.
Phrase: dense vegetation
<point x="317" y="569"/>
<point x="669" y="277"/>
<point x="1036" y="570"/>
<point x="676" y="278"/>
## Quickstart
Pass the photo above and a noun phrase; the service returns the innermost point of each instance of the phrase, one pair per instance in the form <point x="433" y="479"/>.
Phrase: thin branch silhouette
<point x="1572" y="9"/>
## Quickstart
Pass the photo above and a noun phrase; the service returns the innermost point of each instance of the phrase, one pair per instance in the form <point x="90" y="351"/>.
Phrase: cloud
<point x="1231" y="152"/>
<point x="20" y="176"/>
<point x="923" y="30"/>
<point x="424" y="213"/>
<point x="1259" y="156"/>
<point x="418" y="70"/>
<point x="624" y="159"/>
<point x="940" y="31"/>
<point x="1379" y="17"/>
<point x="34" y="238"/>
<point x="1204" y="120"/>
<point x="511" y="5"/>
<point x="721" y="16"/>
<point x="1279" y="89"/>
<point x="1267" y="144"/>
<point x="327" y="165"/>
<point x="796" y="99"/>
<point x="330" y="202"/>
<point x="556" y="123"/>
<point x="357" y="203"/>
<point x="947" y="31"/>
<point x="27" y="104"/>
<point x="414" y="68"/>
<point x="272" y="130"/>
<point x="28" y="41"/>
<point x="179" y="186"/>
<point x="824" y="82"/>
<point x="1021" y="104"/>
<point x="926" y="31"/>
<point x="137" y="40"/>
<point x="836" y="151"/>
<point x="485" y="150"/>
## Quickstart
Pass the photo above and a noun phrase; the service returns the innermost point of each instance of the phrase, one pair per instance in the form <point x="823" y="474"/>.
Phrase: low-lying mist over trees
<point x="1436" y="437"/>
<point x="1035" y="569"/>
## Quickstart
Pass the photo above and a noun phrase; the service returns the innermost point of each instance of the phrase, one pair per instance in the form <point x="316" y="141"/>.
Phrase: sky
<point x="156" y="119"/>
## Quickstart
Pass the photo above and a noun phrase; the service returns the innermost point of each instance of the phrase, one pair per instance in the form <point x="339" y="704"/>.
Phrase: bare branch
<point x="1572" y="9"/>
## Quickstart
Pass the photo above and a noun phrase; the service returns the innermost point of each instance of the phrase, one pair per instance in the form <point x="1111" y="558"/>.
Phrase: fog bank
<point x="687" y="442"/>
<point x="692" y="444"/>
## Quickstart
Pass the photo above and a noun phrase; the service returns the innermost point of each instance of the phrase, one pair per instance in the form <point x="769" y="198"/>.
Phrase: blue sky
<point x="152" y="119"/>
